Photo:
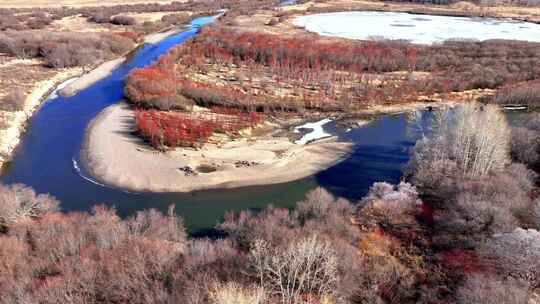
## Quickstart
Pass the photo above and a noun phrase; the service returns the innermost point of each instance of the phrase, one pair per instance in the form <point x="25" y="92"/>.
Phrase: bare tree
<point x="234" y="293"/>
<point x="516" y="253"/>
<point x="485" y="289"/>
<point x="475" y="137"/>
<point x="18" y="202"/>
<point x="306" y="268"/>
<point x="388" y="204"/>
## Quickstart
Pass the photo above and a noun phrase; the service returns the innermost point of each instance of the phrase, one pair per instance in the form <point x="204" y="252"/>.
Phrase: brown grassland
<point x="72" y="3"/>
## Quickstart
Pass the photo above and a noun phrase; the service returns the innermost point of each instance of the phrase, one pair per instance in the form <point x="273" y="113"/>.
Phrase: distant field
<point x="59" y="3"/>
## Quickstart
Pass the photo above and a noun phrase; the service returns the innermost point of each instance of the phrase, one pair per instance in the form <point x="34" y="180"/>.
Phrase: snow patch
<point x="317" y="131"/>
<point x="426" y="30"/>
<point x="61" y="86"/>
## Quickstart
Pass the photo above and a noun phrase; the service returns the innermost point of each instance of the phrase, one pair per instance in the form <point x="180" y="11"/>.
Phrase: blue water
<point x="46" y="155"/>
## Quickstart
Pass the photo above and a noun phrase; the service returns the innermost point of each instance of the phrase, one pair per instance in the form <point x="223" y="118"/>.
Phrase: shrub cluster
<point x="333" y="76"/>
<point x="172" y="130"/>
<point x="123" y="20"/>
<point x="64" y="49"/>
<point x="476" y="219"/>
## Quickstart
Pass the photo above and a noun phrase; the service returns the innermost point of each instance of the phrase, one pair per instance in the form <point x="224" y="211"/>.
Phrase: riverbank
<point x="105" y="69"/>
<point x="95" y="75"/>
<point x="116" y="157"/>
<point x="17" y="121"/>
<point x="10" y="137"/>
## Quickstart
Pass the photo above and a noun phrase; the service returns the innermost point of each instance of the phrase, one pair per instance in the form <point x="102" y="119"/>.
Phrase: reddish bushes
<point x="309" y="73"/>
<point x="185" y="130"/>
<point x="468" y="65"/>
<point x="163" y="129"/>
<point x="225" y="45"/>
<point x="462" y="261"/>
<point x="155" y="87"/>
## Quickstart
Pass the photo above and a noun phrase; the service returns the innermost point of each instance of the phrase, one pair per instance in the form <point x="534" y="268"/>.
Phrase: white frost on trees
<point x="18" y="202"/>
<point x="517" y="252"/>
<point x="474" y="137"/>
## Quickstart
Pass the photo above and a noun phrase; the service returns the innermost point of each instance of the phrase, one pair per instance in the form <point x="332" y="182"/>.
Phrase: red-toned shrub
<point x="462" y="261"/>
<point x="189" y="130"/>
<point x="155" y="87"/>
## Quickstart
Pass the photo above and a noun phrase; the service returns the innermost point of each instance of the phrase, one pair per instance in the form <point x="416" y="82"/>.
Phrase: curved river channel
<point x="47" y="158"/>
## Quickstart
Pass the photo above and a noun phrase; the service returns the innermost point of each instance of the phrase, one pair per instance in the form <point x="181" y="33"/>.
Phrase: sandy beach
<point x="115" y="157"/>
<point x="88" y="79"/>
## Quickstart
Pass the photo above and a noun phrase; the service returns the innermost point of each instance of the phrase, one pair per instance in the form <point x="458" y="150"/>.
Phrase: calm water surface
<point x="45" y="158"/>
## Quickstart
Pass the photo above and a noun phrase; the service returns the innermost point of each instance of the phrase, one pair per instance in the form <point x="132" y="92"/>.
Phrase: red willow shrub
<point x="155" y="87"/>
<point x="184" y="130"/>
<point x="163" y="129"/>
<point x="325" y="76"/>
<point x="463" y="260"/>
<point x="225" y="45"/>
<point x="455" y="65"/>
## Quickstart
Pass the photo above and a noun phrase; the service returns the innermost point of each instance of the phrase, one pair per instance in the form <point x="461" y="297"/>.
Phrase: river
<point x="47" y="158"/>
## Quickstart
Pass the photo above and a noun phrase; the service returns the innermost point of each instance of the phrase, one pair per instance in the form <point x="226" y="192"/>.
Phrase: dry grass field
<point x="73" y="3"/>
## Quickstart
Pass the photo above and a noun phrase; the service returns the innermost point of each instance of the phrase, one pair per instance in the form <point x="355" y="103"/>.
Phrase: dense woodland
<point x="463" y="229"/>
<point x="258" y="72"/>
<point x="340" y="74"/>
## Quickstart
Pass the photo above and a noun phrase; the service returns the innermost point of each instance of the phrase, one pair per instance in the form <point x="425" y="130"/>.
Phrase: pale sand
<point x="117" y="158"/>
<point x="157" y="37"/>
<point x="88" y="79"/>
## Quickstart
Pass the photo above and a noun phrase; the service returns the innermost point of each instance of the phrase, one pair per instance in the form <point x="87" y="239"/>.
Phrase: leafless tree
<point x="475" y="137"/>
<point x="234" y="293"/>
<point x="306" y="268"/>
<point x="18" y="202"/>
<point x="388" y="204"/>
<point x="485" y="289"/>
<point x="516" y="253"/>
<point x="152" y="224"/>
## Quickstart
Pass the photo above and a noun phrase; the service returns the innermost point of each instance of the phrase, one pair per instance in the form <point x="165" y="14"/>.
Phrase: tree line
<point x="334" y="76"/>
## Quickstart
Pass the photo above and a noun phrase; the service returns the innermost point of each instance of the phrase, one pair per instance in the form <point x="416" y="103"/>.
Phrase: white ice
<point x="317" y="131"/>
<point x="420" y="29"/>
<point x="54" y="94"/>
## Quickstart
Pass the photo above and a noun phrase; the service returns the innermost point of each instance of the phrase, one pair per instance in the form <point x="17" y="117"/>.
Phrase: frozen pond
<point x="421" y="29"/>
